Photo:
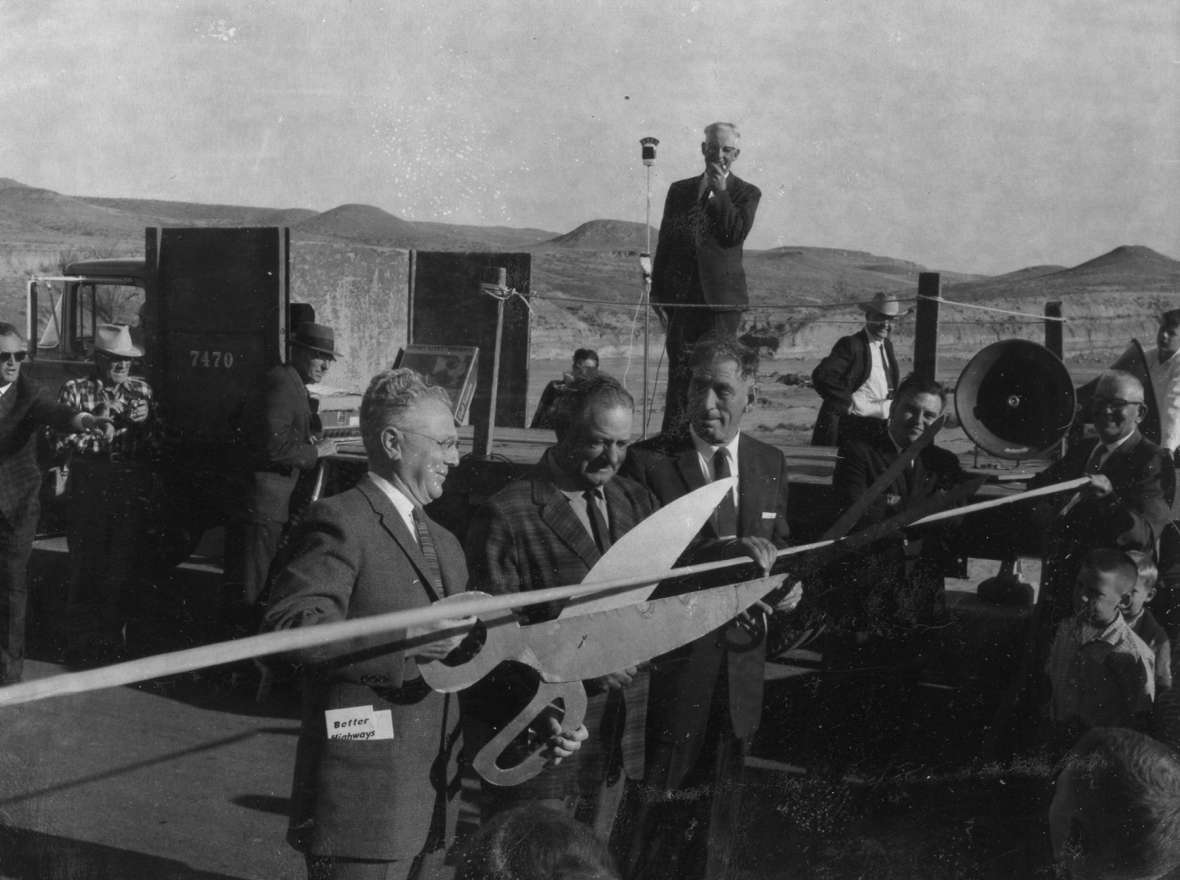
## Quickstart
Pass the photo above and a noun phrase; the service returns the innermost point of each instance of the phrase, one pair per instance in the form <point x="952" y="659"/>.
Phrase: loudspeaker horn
<point x="1015" y="399"/>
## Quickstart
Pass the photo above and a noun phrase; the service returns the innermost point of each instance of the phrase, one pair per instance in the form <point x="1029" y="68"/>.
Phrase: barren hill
<point x="605" y="235"/>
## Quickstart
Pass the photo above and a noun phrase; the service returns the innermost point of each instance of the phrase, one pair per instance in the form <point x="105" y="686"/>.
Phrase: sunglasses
<point x="13" y="357"/>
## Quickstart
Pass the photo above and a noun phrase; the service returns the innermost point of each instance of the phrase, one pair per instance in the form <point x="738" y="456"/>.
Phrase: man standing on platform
<point x="706" y="698"/>
<point x="25" y="408"/>
<point x="697" y="275"/>
<point x="858" y="378"/>
<point x="278" y="429"/>
<point x="548" y="530"/>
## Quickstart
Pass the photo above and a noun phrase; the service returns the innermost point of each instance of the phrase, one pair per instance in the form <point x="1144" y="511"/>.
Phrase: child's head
<point x="1116" y="807"/>
<point x="532" y="842"/>
<point x="1144" y="590"/>
<point x="1104" y="586"/>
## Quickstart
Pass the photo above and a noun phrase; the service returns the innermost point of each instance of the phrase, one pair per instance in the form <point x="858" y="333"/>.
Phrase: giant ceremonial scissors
<point x="601" y="634"/>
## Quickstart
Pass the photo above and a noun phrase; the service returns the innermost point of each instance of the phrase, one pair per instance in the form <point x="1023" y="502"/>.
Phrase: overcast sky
<point x="978" y="136"/>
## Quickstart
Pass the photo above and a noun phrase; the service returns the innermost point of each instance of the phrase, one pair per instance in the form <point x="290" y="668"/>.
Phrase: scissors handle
<point x="746" y="633"/>
<point x="495" y="637"/>
<point x="573" y="708"/>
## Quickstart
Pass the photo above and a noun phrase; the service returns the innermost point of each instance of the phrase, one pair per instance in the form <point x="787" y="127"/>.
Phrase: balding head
<point x="1118" y="405"/>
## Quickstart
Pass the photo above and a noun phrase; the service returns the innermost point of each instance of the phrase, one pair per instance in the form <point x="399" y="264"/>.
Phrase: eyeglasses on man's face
<point x="13" y="357"/>
<point x="448" y="445"/>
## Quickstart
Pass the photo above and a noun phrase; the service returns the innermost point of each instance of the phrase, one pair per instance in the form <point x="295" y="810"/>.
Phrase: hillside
<point x="587" y="285"/>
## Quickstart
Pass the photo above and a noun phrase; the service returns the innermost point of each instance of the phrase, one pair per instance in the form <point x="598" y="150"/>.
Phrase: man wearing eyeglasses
<point x="858" y="378"/>
<point x="25" y="408"/>
<point x="278" y="430"/>
<point x="1126" y="504"/>
<point x="379" y="806"/>
<point x="548" y="530"/>
<point x="109" y="493"/>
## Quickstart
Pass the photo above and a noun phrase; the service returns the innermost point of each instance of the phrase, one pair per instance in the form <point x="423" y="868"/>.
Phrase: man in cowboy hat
<point x="108" y="493"/>
<point x="858" y="378"/>
<point x="25" y="409"/>
<point x="278" y="428"/>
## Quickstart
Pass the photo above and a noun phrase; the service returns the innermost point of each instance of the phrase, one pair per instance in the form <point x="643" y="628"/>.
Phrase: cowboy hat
<point x="316" y="337"/>
<point x="883" y="304"/>
<point x="115" y="340"/>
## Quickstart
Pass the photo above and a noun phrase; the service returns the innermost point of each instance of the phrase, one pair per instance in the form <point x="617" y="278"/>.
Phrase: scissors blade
<point x="653" y="545"/>
<point x="588" y="645"/>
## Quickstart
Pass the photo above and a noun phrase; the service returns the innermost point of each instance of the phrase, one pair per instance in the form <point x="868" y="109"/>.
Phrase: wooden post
<point x="1054" y="329"/>
<point x="926" y="326"/>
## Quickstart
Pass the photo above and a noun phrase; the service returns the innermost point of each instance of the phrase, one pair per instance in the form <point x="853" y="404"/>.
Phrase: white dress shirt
<point x="1165" y="383"/>
<point x="405" y="507"/>
<point x="705" y="453"/>
<point x="872" y="398"/>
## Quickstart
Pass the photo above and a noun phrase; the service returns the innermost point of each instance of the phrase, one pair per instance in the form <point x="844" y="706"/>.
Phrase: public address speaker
<point x="1015" y="399"/>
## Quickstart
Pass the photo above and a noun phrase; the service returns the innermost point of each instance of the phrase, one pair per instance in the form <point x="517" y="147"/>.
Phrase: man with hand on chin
<point x="357" y="807"/>
<point x="706" y="699"/>
<point x="25" y="409"/>
<point x="697" y="276"/>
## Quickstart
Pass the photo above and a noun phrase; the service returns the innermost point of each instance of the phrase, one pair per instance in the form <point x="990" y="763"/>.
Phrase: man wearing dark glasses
<point x="25" y="408"/>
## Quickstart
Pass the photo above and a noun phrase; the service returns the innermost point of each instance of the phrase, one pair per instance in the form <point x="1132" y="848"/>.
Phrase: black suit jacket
<point x="698" y="257"/>
<point x="276" y="428"/>
<point x="353" y="556"/>
<point x="1136" y="512"/>
<point x="836" y="379"/>
<point x="25" y="408"/>
<point x="683" y="681"/>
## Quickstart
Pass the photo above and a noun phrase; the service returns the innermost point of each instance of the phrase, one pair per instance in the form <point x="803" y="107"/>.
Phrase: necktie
<point x="888" y="372"/>
<point x="597" y="521"/>
<point x="429" y="551"/>
<point x="1097" y="459"/>
<point x="726" y="516"/>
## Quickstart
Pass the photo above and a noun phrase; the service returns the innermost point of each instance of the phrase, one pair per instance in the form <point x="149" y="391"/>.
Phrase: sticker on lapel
<point x="359" y="722"/>
<point x="768" y="514"/>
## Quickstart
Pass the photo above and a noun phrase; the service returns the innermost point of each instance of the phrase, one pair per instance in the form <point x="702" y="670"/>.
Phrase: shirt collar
<point x="707" y="450"/>
<point x="4" y="388"/>
<point x="1116" y="444"/>
<point x="397" y="497"/>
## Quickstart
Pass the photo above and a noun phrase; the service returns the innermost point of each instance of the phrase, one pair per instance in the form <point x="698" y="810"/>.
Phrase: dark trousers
<point x="690" y="831"/>
<point x="16" y="546"/>
<point x="685" y="327"/>
<point x="250" y="549"/>
<point x="104" y="526"/>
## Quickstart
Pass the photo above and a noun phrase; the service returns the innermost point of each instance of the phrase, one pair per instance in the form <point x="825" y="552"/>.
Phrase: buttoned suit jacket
<point x="836" y="379"/>
<point x="276" y="429"/>
<point x="878" y="577"/>
<point x="25" y="408"/>
<point x="527" y="537"/>
<point x="698" y="256"/>
<point x="353" y="556"/>
<point x="683" y="681"/>
<point x="1134" y="515"/>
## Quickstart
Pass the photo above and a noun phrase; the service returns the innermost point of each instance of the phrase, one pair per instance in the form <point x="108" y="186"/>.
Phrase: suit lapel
<point x="393" y="523"/>
<point x="751" y="489"/>
<point x="1115" y="465"/>
<point x="555" y="511"/>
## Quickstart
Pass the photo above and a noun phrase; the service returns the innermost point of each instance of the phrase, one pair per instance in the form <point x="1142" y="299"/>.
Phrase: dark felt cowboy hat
<point x="317" y="337"/>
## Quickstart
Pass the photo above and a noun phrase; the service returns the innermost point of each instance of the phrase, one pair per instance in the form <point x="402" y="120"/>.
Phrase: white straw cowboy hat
<point x="115" y="340"/>
<point x="883" y="304"/>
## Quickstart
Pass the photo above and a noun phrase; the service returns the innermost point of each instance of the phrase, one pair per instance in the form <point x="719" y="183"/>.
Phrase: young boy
<point x="1143" y="622"/>
<point x="1101" y="674"/>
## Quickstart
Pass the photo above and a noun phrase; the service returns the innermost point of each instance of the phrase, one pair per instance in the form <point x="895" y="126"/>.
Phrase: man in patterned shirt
<point x="108" y="494"/>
